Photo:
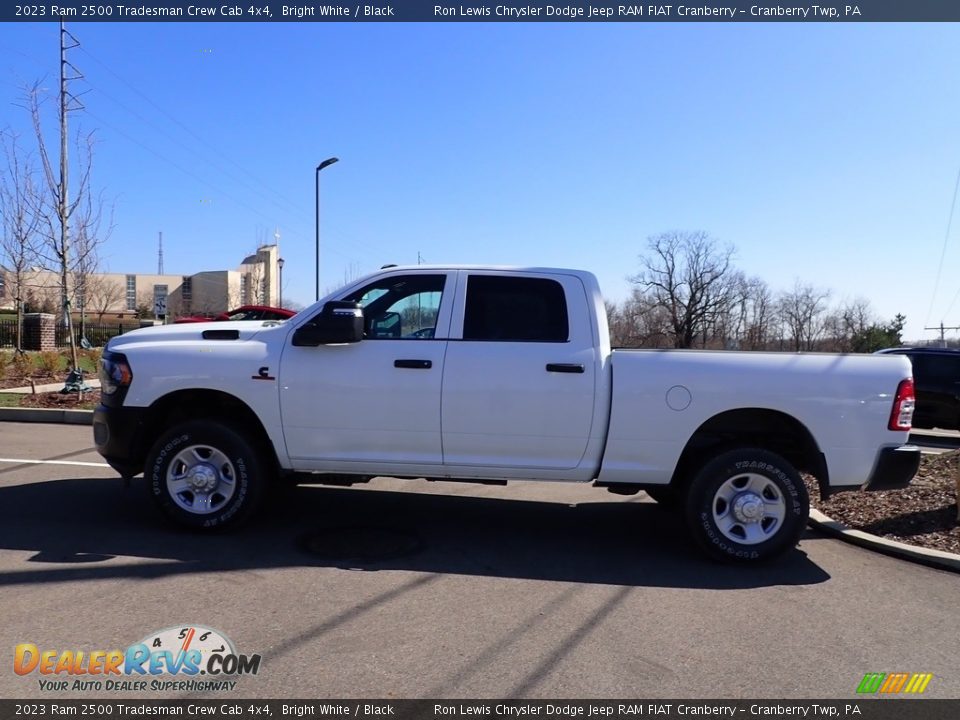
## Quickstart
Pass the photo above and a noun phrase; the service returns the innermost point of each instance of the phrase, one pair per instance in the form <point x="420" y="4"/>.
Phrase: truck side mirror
<point x="340" y="321"/>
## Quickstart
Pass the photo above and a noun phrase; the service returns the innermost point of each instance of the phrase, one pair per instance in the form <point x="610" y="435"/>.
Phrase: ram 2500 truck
<point x="496" y="374"/>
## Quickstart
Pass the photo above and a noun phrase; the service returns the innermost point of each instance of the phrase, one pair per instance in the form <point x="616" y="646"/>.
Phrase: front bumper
<point x="117" y="434"/>
<point x="895" y="468"/>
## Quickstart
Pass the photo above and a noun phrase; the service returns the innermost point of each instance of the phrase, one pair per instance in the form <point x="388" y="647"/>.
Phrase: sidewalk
<point x="52" y="387"/>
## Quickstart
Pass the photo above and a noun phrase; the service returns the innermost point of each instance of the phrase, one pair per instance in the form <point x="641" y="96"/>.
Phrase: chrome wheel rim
<point x="201" y="479"/>
<point x="749" y="509"/>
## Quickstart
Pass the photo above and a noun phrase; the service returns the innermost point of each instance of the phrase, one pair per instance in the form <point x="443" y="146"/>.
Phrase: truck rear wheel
<point x="203" y="474"/>
<point x="747" y="505"/>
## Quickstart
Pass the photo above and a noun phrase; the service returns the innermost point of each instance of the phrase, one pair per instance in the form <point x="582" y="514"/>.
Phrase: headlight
<point x="114" y="373"/>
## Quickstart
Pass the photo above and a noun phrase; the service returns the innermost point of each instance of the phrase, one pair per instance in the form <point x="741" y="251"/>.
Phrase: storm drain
<point x="361" y="544"/>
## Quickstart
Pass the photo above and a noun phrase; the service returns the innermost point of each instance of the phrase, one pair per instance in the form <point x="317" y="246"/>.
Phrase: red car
<point x="244" y="312"/>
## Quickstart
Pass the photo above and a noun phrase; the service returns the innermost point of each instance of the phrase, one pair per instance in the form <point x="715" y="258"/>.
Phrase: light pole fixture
<point x="321" y="166"/>
<point x="280" y="282"/>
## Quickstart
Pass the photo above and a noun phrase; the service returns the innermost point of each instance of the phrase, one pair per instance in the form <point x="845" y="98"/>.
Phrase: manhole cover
<point x="360" y="544"/>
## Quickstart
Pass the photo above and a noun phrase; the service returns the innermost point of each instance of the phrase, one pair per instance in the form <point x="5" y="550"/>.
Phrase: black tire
<point x="747" y="505"/>
<point x="222" y="488"/>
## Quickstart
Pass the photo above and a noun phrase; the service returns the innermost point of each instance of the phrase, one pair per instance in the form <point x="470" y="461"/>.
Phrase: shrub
<point x="22" y="365"/>
<point x="50" y="361"/>
<point x="4" y="363"/>
<point x="90" y="359"/>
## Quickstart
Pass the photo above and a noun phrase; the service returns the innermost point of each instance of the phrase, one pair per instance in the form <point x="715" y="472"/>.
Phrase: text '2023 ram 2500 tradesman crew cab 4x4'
<point x="496" y="374"/>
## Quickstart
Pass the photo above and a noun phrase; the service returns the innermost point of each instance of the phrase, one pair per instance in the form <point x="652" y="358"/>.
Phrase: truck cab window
<point x="515" y="309"/>
<point x="401" y="307"/>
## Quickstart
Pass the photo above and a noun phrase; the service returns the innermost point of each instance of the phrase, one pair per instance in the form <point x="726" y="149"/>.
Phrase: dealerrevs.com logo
<point x="180" y="658"/>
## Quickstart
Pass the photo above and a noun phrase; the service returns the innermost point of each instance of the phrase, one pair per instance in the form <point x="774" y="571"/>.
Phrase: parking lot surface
<point x="410" y="589"/>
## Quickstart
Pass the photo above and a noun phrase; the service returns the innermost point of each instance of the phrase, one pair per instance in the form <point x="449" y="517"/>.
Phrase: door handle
<point x="413" y="364"/>
<point x="565" y="367"/>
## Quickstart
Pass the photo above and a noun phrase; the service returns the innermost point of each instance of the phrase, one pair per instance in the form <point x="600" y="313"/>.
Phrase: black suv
<point x="936" y="379"/>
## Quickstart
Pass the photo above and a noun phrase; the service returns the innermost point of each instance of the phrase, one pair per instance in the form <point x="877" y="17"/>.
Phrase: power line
<point x="943" y="252"/>
<point x="204" y="143"/>
<point x="206" y="146"/>
<point x="941" y="328"/>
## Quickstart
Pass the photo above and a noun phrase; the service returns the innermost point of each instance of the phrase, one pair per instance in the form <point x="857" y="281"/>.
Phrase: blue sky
<point x="824" y="153"/>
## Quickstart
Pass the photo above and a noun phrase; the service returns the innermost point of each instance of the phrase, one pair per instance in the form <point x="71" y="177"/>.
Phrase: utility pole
<point x="160" y="257"/>
<point x="941" y="328"/>
<point x="64" y="208"/>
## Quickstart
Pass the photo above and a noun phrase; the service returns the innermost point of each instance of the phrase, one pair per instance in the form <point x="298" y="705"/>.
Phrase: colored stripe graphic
<point x="893" y="683"/>
<point x="871" y="682"/>
<point x="918" y="683"/>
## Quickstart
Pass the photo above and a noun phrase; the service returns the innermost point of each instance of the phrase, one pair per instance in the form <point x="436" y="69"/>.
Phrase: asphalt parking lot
<point x="409" y="589"/>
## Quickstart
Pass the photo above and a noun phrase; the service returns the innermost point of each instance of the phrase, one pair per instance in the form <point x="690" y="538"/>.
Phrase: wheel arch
<point x="205" y="404"/>
<point x="763" y="428"/>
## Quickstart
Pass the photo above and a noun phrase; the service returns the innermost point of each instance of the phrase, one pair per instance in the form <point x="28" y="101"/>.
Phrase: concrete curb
<point x="923" y="556"/>
<point x="47" y="415"/>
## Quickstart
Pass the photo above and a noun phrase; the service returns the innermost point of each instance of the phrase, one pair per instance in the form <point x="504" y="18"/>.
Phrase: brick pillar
<point x="39" y="331"/>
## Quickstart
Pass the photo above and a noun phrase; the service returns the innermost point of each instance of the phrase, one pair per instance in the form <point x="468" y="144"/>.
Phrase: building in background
<point x="254" y="282"/>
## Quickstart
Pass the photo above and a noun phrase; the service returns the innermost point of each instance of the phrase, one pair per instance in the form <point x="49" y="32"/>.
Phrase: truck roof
<point x="496" y="268"/>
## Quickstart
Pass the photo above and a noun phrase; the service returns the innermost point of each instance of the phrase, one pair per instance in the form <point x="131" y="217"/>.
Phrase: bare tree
<point x="18" y="194"/>
<point x="855" y="327"/>
<point x="687" y="274"/>
<point x="727" y="327"/>
<point x="638" y="322"/>
<point x="90" y="233"/>
<point x="852" y="321"/>
<point x="258" y="285"/>
<point x="757" y="311"/>
<point x="59" y="251"/>
<point x="101" y="295"/>
<point x="803" y="312"/>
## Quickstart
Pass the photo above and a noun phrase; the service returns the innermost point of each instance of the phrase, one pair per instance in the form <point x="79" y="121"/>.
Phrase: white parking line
<point x="17" y="461"/>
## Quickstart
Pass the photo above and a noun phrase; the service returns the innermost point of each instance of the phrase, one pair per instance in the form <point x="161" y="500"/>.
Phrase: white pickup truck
<point x="494" y="374"/>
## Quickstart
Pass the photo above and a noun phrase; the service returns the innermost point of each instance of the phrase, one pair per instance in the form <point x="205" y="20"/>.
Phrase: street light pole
<point x="321" y="166"/>
<point x="280" y="282"/>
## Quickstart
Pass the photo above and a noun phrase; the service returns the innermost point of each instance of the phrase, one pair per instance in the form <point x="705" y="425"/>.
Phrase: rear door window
<point x="515" y="309"/>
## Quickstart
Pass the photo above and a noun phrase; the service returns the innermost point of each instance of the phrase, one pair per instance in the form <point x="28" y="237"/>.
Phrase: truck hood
<point x="208" y="332"/>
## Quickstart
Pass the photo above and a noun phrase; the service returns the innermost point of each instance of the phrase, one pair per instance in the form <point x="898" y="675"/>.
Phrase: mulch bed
<point x="52" y="399"/>
<point x="923" y="514"/>
<point x="62" y="401"/>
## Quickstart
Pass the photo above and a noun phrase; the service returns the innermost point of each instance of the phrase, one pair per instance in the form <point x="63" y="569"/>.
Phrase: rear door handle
<point x="565" y="367"/>
<point x="413" y="364"/>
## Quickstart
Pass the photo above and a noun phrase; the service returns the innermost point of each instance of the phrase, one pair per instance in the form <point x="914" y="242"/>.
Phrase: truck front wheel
<point x="205" y="475"/>
<point x="747" y="505"/>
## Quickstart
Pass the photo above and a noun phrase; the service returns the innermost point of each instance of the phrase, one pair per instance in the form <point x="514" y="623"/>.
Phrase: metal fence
<point x="97" y="334"/>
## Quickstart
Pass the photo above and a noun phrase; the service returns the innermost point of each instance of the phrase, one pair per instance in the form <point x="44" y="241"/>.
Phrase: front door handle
<point x="413" y="364"/>
<point x="565" y="367"/>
